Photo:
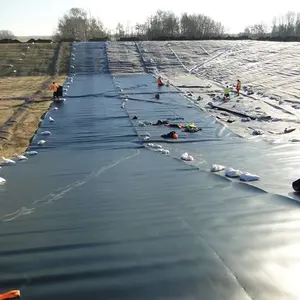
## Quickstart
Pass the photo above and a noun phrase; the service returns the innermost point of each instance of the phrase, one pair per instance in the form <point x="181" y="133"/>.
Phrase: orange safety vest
<point x="159" y="82"/>
<point x="54" y="87"/>
<point x="10" y="295"/>
<point x="238" y="86"/>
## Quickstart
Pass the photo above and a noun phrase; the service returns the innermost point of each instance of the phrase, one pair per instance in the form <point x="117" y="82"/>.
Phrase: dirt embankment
<point x="23" y="98"/>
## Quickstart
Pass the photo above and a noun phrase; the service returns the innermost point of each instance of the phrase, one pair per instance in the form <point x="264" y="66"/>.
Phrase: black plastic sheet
<point x="96" y="215"/>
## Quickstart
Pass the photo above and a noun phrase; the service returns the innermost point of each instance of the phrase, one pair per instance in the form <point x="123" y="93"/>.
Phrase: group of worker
<point x="54" y="87"/>
<point x="227" y="90"/>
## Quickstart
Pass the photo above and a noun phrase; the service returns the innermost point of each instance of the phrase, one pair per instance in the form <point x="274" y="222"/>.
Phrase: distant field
<point x="36" y="37"/>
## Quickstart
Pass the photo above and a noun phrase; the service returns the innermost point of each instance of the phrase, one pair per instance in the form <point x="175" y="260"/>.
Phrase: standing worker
<point x="238" y="87"/>
<point x="226" y="92"/>
<point x="159" y="82"/>
<point x="54" y="86"/>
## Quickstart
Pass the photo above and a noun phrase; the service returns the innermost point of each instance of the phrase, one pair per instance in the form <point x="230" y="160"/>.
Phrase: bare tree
<point x="199" y="26"/>
<point x="259" y="30"/>
<point x="162" y="24"/>
<point x="141" y="29"/>
<point x="188" y="25"/>
<point x="274" y="31"/>
<point x="6" y="34"/>
<point x="171" y="25"/>
<point x="286" y="26"/>
<point x="77" y="25"/>
<point x="95" y="29"/>
<point x="165" y="24"/>
<point x="247" y="31"/>
<point x="120" y="31"/>
<point x="297" y="31"/>
<point x="290" y="23"/>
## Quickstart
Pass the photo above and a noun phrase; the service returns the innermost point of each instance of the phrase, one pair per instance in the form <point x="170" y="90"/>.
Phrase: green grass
<point x="65" y="58"/>
<point x="32" y="59"/>
<point x="27" y="59"/>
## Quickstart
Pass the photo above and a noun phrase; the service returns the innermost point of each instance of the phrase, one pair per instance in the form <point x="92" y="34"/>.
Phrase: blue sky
<point x="33" y="17"/>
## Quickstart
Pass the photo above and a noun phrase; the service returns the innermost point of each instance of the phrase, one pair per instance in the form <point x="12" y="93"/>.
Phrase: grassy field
<point x="18" y="136"/>
<point x="34" y="66"/>
<point x="26" y="59"/>
<point x="65" y="58"/>
<point x="20" y="87"/>
<point x="24" y="39"/>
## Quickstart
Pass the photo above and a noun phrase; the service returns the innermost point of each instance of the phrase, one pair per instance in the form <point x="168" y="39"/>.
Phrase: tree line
<point x="284" y="28"/>
<point x="78" y="25"/>
<point x="6" y="34"/>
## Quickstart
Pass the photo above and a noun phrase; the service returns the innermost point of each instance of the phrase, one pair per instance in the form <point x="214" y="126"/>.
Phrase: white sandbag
<point x="2" y="181"/>
<point x="146" y="136"/>
<point x="249" y="177"/>
<point x="41" y="142"/>
<point x="217" y="168"/>
<point x="157" y="146"/>
<point x="30" y="153"/>
<point x="7" y="161"/>
<point x="20" y="157"/>
<point x="46" y="133"/>
<point x="185" y="156"/>
<point x="232" y="173"/>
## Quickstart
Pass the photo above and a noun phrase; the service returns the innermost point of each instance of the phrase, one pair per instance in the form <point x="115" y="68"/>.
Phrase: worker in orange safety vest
<point x="53" y="87"/>
<point x="159" y="81"/>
